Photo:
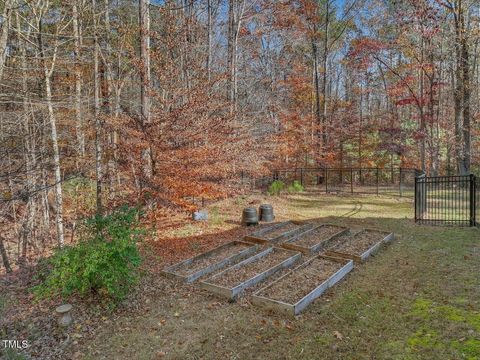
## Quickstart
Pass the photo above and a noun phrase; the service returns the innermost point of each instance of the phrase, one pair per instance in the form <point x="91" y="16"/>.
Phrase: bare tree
<point x="6" y="16"/>
<point x="48" y="69"/>
<point x="145" y="79"/>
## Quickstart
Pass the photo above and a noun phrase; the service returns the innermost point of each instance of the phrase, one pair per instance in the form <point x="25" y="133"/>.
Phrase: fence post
<point x="377" y="180"/>
<point x="326" y="180"/>
<point x="476" y="191"/>
<point x="415" y="195"/>
<point x="400" y="182"/>
<point x="472" y="200"/>
<point x="351" y="180"/>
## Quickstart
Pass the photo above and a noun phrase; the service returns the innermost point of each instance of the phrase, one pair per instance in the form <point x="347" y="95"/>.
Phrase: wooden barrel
<point x="249" y="216"/>
<point x="266" y="213"/>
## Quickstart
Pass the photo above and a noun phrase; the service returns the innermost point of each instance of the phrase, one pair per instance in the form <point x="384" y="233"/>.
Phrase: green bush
<point x="276" y="187"/>
<point x="296" y="186"/>
<point x="104" y="262"/>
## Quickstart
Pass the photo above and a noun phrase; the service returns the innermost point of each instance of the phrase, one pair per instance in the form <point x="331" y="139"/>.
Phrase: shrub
<point x="296" y="186"/>
<point x="104" y="262"/>
<point x="276" y="187"/>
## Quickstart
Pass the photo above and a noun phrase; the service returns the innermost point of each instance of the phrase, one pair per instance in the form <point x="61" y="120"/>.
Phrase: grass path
<point x="417" y="299"/>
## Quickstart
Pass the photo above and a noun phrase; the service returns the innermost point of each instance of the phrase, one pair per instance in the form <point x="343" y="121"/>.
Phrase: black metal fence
<point x="387" y="181"/>
<point x="447" y="200"/>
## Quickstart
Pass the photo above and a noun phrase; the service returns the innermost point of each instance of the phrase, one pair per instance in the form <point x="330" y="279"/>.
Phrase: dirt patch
<point x="233" y="277"/>
<point x="211" y="259"/>
<point x="360" y="242"/>
<point x="274" y="233"/>
<point x="301" y="282"/>
<point x="317" y="236"/>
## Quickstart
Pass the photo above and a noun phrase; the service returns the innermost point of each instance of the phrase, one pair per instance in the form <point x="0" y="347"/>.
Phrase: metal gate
<point x="447" y="200"/>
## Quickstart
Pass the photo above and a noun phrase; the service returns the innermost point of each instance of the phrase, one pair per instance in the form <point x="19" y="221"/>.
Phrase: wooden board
<point x="365" y="255"/>
<point x="302" y="304"/>
<point x="171" y="271"/>
<point x="233" y="292"/>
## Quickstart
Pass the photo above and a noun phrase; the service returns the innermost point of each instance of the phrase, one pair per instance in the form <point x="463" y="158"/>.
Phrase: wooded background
<point x="109" y="102"/>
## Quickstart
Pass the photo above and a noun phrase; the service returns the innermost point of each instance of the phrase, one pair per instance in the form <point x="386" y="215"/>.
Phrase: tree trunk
<point x="324" y="74"/>
<point x="78" y="81"/>
<point x="422" y="116"/>
<point x="209" y="39"/>
<point x="316" y="80"/>
<point x="98" y="124"/>
<point x="231" y="52"/>
<point x="466" y="107"/>
<point x="235" y="13"/>
<point x="6" y="16"/>
<point x="3" y="252"/>
<point x="27" y="226"/>
<point x="145" y="77"/>
<point x="462" y="92"/>
<point x="54" y="137"/>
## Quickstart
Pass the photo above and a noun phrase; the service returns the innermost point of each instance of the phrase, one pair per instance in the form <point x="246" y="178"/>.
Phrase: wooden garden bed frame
<point x="365" y="255"/>
<point x="171" y="271"/>
<point x="233" y="292"/>
<point x="259" y="236"/>
<point x="301" y="304"/>
<point x="290" y="243"/>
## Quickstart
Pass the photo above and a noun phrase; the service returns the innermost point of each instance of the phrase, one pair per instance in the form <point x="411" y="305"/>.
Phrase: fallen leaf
<point x="338" y="335"/>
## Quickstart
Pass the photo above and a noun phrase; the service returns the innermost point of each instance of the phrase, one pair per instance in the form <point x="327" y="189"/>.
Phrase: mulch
<point x="299" y="283"/>
<point x="360" y="242"/>
<point x="317" y="235"/>
<point x="233" y="277"/>
<point x="211" y="259"/>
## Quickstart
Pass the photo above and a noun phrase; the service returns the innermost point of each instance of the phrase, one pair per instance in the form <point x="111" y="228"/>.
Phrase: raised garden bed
<point x="315" y="239"/>
<point x="359" y="246"/>
<point x="293" y="292"/>
<point x="233" y="281"/>
<point x="191" y="269"/>
<point x="279" y="232"/>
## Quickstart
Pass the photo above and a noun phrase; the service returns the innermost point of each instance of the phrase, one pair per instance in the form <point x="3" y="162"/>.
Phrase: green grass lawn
<point x="419" y="298"/>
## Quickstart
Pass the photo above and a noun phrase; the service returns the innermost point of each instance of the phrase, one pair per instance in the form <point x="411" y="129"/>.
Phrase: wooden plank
<point x="294" y="247"/>
<point x="357" y="259"/>
<point x="300" y="305"/>
<point x="255" y="240"/>
<point x="234" y="292"/>
<point x="171" y="271"/>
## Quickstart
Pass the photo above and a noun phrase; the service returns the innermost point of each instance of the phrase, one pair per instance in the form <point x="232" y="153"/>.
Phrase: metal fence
<point x="447" y="200"/>
<point x="387" y="181"/>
